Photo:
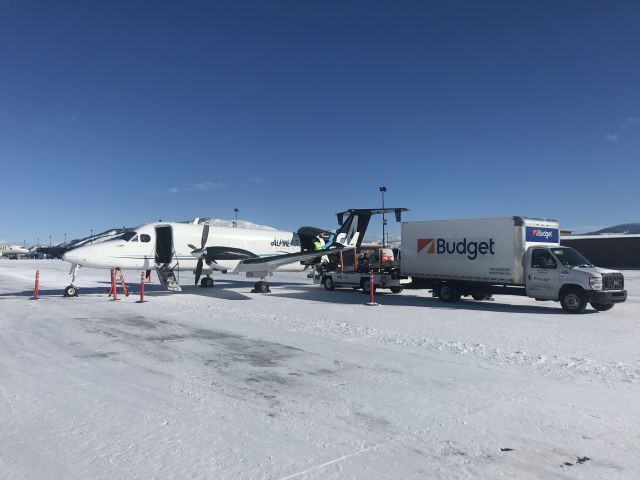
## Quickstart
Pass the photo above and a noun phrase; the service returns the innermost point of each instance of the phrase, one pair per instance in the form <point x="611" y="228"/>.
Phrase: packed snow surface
<point x="305" y="383"/>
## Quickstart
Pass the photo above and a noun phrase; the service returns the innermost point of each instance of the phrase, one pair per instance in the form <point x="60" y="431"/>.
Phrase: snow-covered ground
<point x="304" y="383"/>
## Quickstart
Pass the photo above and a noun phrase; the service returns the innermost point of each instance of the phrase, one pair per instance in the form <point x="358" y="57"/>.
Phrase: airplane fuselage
<point x="12" y="251"/>
<point x="153" y="245"/>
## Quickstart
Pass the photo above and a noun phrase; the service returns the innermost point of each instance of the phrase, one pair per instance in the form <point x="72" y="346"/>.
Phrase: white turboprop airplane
<point x="168" y="247"/>
<point x="12" y="251"/>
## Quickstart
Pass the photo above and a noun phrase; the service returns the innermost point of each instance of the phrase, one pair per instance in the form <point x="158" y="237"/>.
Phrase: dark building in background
<point x="610" y="251"/>
<point x="611" y="247"/>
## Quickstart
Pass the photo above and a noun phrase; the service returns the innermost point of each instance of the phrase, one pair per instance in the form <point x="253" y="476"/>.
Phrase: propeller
<point x="201" y="252"/>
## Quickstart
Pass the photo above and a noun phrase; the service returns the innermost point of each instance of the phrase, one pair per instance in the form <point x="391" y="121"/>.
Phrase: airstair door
<point x="164" y="245"/>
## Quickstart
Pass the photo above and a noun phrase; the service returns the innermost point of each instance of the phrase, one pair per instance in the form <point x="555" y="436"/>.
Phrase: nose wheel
<point x="261" y="287"/>
<point x="71" y="291"/>
<point x="207" y="282"/>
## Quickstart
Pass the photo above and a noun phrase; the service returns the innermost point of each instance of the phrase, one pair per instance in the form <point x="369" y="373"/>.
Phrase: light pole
<point x="384" y="220"/>
<point x="91" y="237"/>
<point x="49" y="240"/>
<point x="65" y="238"/>
<point x="235" y="224"/>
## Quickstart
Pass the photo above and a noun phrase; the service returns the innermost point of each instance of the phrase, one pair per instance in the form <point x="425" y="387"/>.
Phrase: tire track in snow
<point x="562" y="368"/>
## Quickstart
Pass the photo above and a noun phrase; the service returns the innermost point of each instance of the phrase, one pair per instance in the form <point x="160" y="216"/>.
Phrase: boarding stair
<point x="168" y="277"/>
<point x="166" y="273"/>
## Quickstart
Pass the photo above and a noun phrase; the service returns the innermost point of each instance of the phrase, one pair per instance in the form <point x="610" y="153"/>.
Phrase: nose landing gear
<point x="71" y="291"/>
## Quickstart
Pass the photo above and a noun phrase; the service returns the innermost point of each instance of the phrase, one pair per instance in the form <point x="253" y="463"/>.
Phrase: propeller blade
<point x="205" y="236"/>
<point x="200" y="251"/>
<point x="192" y="246"/>
<point x="199" y="270"/>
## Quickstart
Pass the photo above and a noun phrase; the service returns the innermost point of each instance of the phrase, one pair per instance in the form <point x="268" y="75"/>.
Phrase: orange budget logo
<point x="427" y="243"/>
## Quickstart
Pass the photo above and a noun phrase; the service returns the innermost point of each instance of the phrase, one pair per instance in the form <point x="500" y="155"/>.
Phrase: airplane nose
<point x="70" y="257"/>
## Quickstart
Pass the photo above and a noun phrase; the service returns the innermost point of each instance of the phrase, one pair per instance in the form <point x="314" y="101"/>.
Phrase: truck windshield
<point x="570" y="257"/>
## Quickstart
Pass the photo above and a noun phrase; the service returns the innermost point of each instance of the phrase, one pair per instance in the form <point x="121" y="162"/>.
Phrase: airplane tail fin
<point x="352" y="230"/>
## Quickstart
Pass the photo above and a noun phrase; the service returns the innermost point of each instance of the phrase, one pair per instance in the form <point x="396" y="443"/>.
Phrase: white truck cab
<point x="563" y="274"/>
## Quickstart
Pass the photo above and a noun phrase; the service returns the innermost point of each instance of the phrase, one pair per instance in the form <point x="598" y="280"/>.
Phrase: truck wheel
<point x="366" y="286"/>
<point x="328" y="283"/>
<point x="448" y="293"/>
<point x="602" y="307"/>
<point x="481" y="296"/>
<point x="573" y="300"/>
<point x="396" y="289"/>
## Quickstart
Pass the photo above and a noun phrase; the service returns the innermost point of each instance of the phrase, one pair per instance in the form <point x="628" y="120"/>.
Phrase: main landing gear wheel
<point x="396" y="289"/>
<point x="261" y="287"/>
<point x="207" y="282"/>
<point x="71" y="291"/>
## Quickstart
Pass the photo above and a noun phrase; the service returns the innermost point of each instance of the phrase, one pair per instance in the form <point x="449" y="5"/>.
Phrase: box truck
<point x="513" y="256"/>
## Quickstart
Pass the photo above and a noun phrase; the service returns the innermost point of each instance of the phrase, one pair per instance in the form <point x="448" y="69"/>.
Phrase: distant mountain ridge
<point x="622" y="229"/>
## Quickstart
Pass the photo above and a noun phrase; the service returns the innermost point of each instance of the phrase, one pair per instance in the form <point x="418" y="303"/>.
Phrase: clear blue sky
<point x="121" y="112"/>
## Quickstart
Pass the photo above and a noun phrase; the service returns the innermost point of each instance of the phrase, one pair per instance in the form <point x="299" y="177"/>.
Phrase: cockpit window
<point x="126" y="236"/>
<point x="134" y="239"/>
<point x="145" y="238"/>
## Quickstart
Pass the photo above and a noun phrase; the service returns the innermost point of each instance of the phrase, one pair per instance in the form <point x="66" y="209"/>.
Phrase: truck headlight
<point x="596" y="283"/>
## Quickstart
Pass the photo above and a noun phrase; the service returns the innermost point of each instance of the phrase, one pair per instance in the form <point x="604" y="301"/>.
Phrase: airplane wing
<point x="268" y="264"/>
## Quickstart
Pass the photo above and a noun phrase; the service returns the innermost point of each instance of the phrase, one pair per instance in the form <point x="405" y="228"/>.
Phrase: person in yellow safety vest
<point x="317" y="245"/>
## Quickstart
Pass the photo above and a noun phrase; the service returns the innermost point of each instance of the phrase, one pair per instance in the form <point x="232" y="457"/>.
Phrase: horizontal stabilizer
<point x="370" y="212"/>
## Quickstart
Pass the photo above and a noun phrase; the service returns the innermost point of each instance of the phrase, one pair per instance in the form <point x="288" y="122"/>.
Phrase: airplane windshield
<point x="570" y="257"/>
<point x="126" y="236"/>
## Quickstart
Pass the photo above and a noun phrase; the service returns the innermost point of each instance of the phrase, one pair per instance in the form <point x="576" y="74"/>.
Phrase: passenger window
<point x="145" y="238"/>
<point x="542" y="259"/>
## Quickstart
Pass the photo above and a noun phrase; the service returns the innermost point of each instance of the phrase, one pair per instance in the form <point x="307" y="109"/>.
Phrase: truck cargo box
<point x="488" y="250"/>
